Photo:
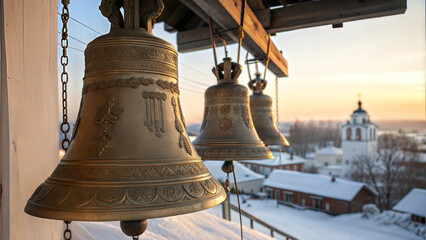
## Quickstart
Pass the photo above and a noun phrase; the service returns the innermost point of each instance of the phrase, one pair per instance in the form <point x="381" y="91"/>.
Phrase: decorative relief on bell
<point x="107" y="115"/>
<point x="127" y="173"/>
<point x="245" y="114"/>
<point x="173" y="87"/>
<point x="154" y="114"/>
<point x="113" y="83"/>
<point x="124" y="198"/>
<point x="141" y="195"/>
<point x="224" y="124"/>
<point x="224" y="109"/>
<point x="183" y="140"/>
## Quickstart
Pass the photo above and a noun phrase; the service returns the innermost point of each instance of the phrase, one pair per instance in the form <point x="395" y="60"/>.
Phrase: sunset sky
<point x="383" y="59"/>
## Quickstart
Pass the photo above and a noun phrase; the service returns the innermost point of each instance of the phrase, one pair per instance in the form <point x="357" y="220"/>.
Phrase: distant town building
<point x="413" y="203"/>
<point x="328" y="160"/>
<point x="310" y="161"/>
<point x="316" y="191"/>
<point x="359" y="137"/>
<point x="288" y="161"/>
<point x="248" y="181"/>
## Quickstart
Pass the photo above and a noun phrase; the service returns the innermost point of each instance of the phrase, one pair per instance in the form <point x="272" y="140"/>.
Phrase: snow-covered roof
<point x="285" y="160"/>
<point x="198" y="225"/>
<point x="242" y="173"/>
<point x="329" y="150"/>
<point x="414" y="202"/>
<point x="316" y="184"/>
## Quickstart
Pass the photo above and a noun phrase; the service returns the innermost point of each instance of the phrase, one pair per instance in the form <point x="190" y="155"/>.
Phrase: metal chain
<point x="67" y="232"/>
<point x="277" y="109"/>
<point x="65" y="126"/>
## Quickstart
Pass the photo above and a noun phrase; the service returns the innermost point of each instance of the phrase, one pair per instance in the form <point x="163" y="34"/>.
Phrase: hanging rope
<point x="241" y="29"/>
<point x="238" y="199"/>
<point x="223" y="41"/>
<point x="214" y="47"/>
<point x="267" y="56"/>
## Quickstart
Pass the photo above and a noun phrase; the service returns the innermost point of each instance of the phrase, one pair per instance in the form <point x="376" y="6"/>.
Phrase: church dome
<point x="360" y="110"/>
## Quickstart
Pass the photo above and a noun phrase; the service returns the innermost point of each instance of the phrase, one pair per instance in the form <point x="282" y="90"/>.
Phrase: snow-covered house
<point x="316" y="191"/>
<point x="328" y="160"/>
<point x="248" y="181"/>
<point x="266" y="166"/>
<point x="413" y="203"/>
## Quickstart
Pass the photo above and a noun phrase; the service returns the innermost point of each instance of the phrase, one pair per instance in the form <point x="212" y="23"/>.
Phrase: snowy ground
<point x="313" y="225"/>
<point x="194" y="226"/>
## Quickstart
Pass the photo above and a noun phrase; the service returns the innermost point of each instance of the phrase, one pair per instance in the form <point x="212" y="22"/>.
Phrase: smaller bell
<point x="227" y="131"/>
<point x="261" y="113"/>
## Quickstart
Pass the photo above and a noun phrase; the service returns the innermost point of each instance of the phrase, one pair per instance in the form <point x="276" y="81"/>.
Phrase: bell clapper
<point x="134" y="228"/>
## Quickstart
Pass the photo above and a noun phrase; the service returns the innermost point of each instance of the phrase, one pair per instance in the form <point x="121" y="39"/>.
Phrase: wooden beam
<point x="226" y="13"/>
<point x="198" y="39"/>
<point x="328" y="12"/>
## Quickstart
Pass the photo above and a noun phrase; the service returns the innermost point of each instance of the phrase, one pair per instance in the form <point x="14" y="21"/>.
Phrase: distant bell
<point x="130" y="157"/>
<point x="262" y="114"/>
<point x="227" y="131"/>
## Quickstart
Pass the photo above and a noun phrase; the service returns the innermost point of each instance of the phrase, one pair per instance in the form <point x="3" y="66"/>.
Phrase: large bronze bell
<point x="261" y="112"/>
<point x="227" y="131"/>
<point x="130" y="157"/>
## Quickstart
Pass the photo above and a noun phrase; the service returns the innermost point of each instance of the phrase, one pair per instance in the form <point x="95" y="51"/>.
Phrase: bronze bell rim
<point x="225" y="152"/>
<point x="126" y="215"/>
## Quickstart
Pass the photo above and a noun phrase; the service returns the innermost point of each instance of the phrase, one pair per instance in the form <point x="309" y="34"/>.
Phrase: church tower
<point x="359" y="137"/>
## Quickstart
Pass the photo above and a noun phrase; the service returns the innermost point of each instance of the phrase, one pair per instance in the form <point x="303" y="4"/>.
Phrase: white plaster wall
<point x="353" y="149"/>
<point x="322" y="159"/>
<point x="29" y="114"/>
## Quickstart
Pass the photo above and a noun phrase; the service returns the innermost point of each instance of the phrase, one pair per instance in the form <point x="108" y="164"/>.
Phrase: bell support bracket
<point x="137" y="13"/>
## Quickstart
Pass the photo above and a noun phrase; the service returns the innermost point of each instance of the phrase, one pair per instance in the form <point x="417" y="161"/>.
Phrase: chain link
<point x="277" y="109"/>
<point x="65" y="126"/>
<point x="67" y="231"/>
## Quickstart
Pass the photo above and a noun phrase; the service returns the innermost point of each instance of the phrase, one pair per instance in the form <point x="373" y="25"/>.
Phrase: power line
<point x="76" y="39"/>
<point x="192" y="86"/>
<point x="186" y="89"/>
<point x="82" y="24"/>
<point x="73" y="48"/>
<point x="195" y="81"/>
<point x="194" y="69"/>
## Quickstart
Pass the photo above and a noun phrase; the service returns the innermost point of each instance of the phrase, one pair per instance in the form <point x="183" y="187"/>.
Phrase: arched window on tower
<point x="371" y="134"/>
<point x="374" y="134"/>
<point x="358" y="134"/>
<point x="349" y="133"/>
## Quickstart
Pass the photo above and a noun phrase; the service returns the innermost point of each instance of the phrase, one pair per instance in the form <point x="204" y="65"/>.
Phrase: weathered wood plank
<point x="226" y="13"/>
<point x="325" y="12"/>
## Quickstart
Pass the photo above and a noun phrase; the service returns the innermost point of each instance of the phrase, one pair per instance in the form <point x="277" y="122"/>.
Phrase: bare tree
<point x="305" y="137"/>
<point x="386" y="169"/>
